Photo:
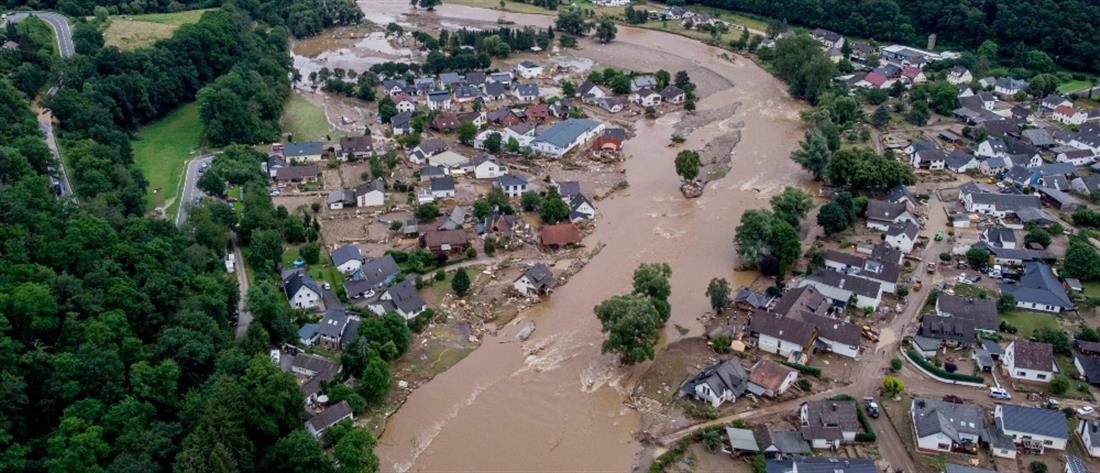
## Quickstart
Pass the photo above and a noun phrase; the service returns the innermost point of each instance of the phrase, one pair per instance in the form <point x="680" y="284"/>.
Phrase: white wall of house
<point x="524" y="286"/>
<point x="350" y="266"/>
<point x="900" y="242"/>
<point x="822" y="444"/>
<point x="489" y="170"/>
<point x="771" y="344"/>
<point x="840" y="348"/>
<point x="783" y="387"/>
<point x="703" y="391"/>
<point x="1086" y="439"/>
<point x="1038" y="307"/>
<point x="373" y="198"/>
<point x="1039" y="376"/>
<point x="305" y="298"/>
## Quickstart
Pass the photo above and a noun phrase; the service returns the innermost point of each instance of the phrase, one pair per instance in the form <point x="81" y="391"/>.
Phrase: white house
<point x="1089" y="431"/>
<point x="310" y="152"/>
<point x="566" y="135"/>
<point x="401" y="298"/>
<point x="842" y="288"/>
<point x="302" y="292"/>
<point x="770" y="379"/>
<point x="719" y="383"/>
<point x="1069" y="115"/>
<point x="347" y="259"/>
<point x="943" y="426"/>
<point x="511" y="184"/>
<point x="1033" y="428"/>
<point x="1030" y="361"/>
<point x="781" y="335"/>
<point x="1039" y="289"/>
<point x="528" y="69"/>
<point x="487" y="167"/>
<point x="443" y="188"/>
<point x="537" y="280"/>
<point x="827" y="423"/>
<point x="405" y="103"/>
<point x="902" y="236"/>
<point x="439" y="100"/>
<point x="959" y="75"/>
<point x="646" y="97"/>
<point x="882" y="214"/>
<point x="371" y="193"/>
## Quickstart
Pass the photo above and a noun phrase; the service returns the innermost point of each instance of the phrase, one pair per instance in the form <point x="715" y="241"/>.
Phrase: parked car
<point x="1085" y="411"/>
<point x="999" y="393"/>
<point x="872" y="407"/>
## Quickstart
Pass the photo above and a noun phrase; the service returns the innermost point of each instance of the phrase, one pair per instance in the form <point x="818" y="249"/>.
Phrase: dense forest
<point x="114" y="327"/>
<point x="1064" y="29"/>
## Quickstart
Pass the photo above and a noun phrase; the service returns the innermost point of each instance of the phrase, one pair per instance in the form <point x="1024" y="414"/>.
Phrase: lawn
<point x="134" y="31"/>
<point x="433" y="294"/>
<point x="40" y="32"/>
<point x="304" y="121"/>
<point x="1091" y="288"/>
<point x="1029" y="322"/>
<point x="162" y="150"/>
<point x="1067" y="87"/>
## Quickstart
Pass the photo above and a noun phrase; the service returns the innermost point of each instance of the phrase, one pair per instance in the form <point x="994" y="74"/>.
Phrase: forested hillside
<point x="1064" y="29"/>
<point x="116" y="353"/>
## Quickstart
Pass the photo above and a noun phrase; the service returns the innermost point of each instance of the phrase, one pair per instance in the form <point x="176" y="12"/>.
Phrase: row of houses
<point x="802" y="322"/>
<point x="944" y="426"/>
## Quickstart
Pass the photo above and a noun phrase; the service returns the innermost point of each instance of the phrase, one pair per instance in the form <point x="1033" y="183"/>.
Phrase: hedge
<point x="923" y="362"/>
<point x="810" y="370"/>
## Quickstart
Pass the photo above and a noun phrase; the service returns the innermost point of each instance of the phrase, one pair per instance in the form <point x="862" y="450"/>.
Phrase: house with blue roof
<point x="1039" y="289"/>
<point x="1035" y="429"/>
<point x="562" y="137"/>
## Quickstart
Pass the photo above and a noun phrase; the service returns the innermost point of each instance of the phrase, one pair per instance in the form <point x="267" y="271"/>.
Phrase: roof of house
<point x="727" y="375"/>
<point x="494" y="89"/>
<point x="833" y="413"/>
<point x="787" y="442"/>
<point x="564" y="133"/>
<point x="346" y="196"/>
<point x="833" y="329"/>
<point x="444" y="237"/>
<point x="401" y="119"/>
<point x="568" y="188"/>
<point x="769" y="374"/>
<point x="433" y="171"/>
<point x="742" y="440"/>
<point x="752" y="298"/>
<point x="671" y="92"/>
<point x="782" y="328"/>
<point x="450" y="159"/>
<point x="870" y="268"/>
<point x="802" y="299"/>
<point x="432" y="146"/>
<point x="881" y="210"/>
<point x="356" y="143"/>
<point x="834" y="465"/>
<point x="953" y="468"/>
<point x="333" y="323"/>
<point x="1075" y="465"/>
<point x="296" y="281"/>
<point x="948" y="328"/>
<point x="1034" y="420"/>
<point x="1038" y="285"/>
<point x="376" y="185"/>
<point x="330" y="416"/>
<point x="1033" y="355"/>
<point x="317" y="364"/>
<point x="377" y="270"/>
<point x="527" y="90"/>
<point x="528" y="64"/>
<point x="405" y="298"/>
<point x="346" y="253"/>
<point x="291" y="150"/>
<point x="933" y="417"/>
<point x="560" y="234"/>
<point x="1090" y="367"/>
<point x="540" y="276"/>
<point x="1093" y="426"/>
<point x="443" y="184"/>
<point x="982" y="311"/>
<point x="293" y="173"/>
<point x="511" y="180"/>
<point x="849" y="282"/>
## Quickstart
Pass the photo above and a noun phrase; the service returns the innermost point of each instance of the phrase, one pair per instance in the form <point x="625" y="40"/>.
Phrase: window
<point x="1041" y="376"/>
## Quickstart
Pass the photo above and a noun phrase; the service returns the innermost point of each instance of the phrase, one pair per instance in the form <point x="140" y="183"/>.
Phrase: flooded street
<point x="555" y="403"/>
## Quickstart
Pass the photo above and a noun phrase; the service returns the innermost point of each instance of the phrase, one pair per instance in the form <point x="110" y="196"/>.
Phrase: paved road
<point x="63" y="32"/>
<point x="243" y="316"/>
<point x="190" y="186"/>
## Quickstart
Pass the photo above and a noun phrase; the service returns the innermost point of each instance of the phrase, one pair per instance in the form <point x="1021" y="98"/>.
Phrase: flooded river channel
<point x="555" y="403"/>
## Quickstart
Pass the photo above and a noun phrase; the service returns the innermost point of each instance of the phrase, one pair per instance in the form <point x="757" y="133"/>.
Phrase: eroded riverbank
<point x="554" y="403"/>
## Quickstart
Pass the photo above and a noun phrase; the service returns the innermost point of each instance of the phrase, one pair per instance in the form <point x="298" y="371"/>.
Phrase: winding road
<point x="63" y="31"/>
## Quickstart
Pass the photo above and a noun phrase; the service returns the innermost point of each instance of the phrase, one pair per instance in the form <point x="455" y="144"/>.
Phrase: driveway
<point x="191" y="187"/>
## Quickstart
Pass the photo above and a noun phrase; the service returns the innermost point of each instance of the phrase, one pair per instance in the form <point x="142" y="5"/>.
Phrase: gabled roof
<point x="848" y="282"/>
<point x="769" y="374"/>
<point x="1033" y="355"/>
<point x="540" y="276"/>
<point x="802" y="299"/>
<point x="333" y="323"/>
<point x="377" y="270"/>
<point x="566" y="132"/>
<point x="527" y="90"/>
<point x="1034" y="420"/>
<point x="1093" y="427"/>
<point x="443" y="184"/>
<point x="830" y="413"/>
<point x="834" y="465"/>
<point x="330" y="416"/>
<point x="296" y="281"/>
<point x="948" y="418"/>
<point x="559" y="235"/>
<point x="404" y="297"/>
<point x="883" y="211"/>
<point x="377" y="185"/>
<point x="723" y="376"/>
<point x="292" y="150"/>
<point x="782" y="328"/>
<point x="346" y="253"/>
<point x="511" y="180"/>
<point x="786" y="442"/>
<point x="983" y="312"/>
<point x="1038" y="285"/>
<point x="958" y="329"/>
<point x="1090" y="367"/>
<point x="833" y="329"/>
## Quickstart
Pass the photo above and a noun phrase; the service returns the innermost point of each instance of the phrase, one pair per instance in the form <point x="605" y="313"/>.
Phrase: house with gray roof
<point x="1008" y="87"/>
<point x="827" y="423"/>
<point x="374" y="274"/>
<point x="330" y="329"/>
<point x="781" y="335"/>
<point x="998" y="205"/>
<point x="742" y="441"/>
<point x="371" y="193"/>
<point x="1089" y="368"/>
<point x="841" y="288"/>
<point x="329" y="417"/>
<point x="348" y="259"/>
<point x="902" y="236"/>
<point x="780" y="443"/>
<point x="513" y="185"/>
<point x="401" y="298"/>
<point x="982" y="311"/>
<point x="526" y="92"/>
<point x="719" y="383"/>
<point x="1032" y="428"/>
<point x="947" y="426"/>
<point x="1039" y="289"/>
<point x="304" y="152"/>
<point x="1089" y="432"/>
<point x="954" y="331"/>
<point x="881" y="214"/>
<point x="302" y="292"/>
<point x="822" y="465"/>
<point x="340" y="198"/>
<point x="953" y="468"/>
<point x="643" y="82"/>
<point x="401" y="123"/>
<point x="748" y="299"/>
<point x="560" y="138"/>
<point x="537" y="280"/>
<point x="885" y="272"/>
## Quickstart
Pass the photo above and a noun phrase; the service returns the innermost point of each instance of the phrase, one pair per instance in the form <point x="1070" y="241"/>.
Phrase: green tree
<point x="297" y="453"/>
<point x="1037" y="235"/>
<point x="687" y="164"/>
<point x="310" y="253"/>
<point x="428" y="211"/>
<point x="374" y="382"/>
<point x="1059" y="385"/>
<point x="651" y="282"/>
<point x="553" y="209"/>
<point x="833" y="218"/>
<point x="492" y="142"/>
<point x="354" y="452"/>
<point x="605" y="29"/>
<point x="753" y="235"/>
<point x="881" y="117"/>
<point x="1042" y="85"/>
<point x="813" y="153"/>
<point x="862" y="168"/>
<point x="461" y="282"/>
<point x="530" y="201"/>
<point x="265" y="250"/>
<point x="892" y="386"/>
<point x="386" y="109"/>
<point x="918" y="115"/>
<point x="571" y="20"/>
<point x="791" y="205"/>
<point x="718" y="290"/>
<point x="632" y="327"/>
<point x="977" y="257"/>
<point x="466" y="132"/>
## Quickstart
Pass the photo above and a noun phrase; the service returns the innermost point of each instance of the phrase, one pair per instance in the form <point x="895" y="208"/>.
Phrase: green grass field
<point x="162" y="150"/>
<point x="134" y="31"/>
<point x="1073" y="85"/>
<point x="304" y="121"/>
<point x="1028" y="322"/>
<point x="40" y="32"/>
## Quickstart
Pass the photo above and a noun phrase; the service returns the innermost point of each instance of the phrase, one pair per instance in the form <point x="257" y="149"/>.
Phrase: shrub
<point x="699" y="410"/>
<point x="721" y="343"/>
<point x="950" y="367"/>
<point x="945" y="256"/>
<point x="1037" y="467"/>
<point x="805" y="384"/>
<point x="895" y="364"/>
<point x="1059" y="385"/>
<point x="810" y="370"/>
<point x="440" y="275"/>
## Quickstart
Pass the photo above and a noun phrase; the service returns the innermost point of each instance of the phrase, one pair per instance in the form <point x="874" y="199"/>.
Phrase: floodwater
<point x="555" y="403"/>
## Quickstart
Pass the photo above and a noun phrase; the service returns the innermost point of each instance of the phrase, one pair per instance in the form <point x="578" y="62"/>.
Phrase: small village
<point x="499" y="174"/>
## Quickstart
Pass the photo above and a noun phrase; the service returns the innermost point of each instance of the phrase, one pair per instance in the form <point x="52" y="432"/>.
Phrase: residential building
<point x="371" y="193"/>
<point x="356" y="146"/>
<point x="719" y="383"/>
<point x="528" y="70"/>
<point x="302" y="292"/>
<point x="1069" y="115"/>
<point x="1089" y="432"/>
<point x="640" y="82"/>
<point x="439" y="100"/>
<point x="1038" y="289"/>
<point x="310" y="152"/>
<point x="445" y="121"/>
<point x="291" y="174"/>
<point x="770" y="379"/>
<point x="443" y="188"/>
<point x="827" y="38"/>
<point x="560" y="235"/>
<point x="1030" y="361"/>
<point x="886" y="273"/>
<point x="373" y="274"/>
<point x="778" y="444"/>
<point x="902" y="236"/>
<point x="646" y="97"/>
<point x="340" y="198"/>
<point x="959" y="75"/>
<point x="446" y="242"/>
<point x="347" y="259"/>
<point x="827" y="423"/>
<point x="983" y="312"/>
<point x="513" y="185"/>
<point x="401" y="123"/>
<point x="537" y="280"/>
<point x="526" y="92"/>
<point x="1088" y="367"/>
<point x="487" y="167"/>
<point x="332" y="415"/>
<point x="1008" y="87"/>
<point x="842" y="288"/>
<point x="330" y="330"/>
<point x="943" y="426"/>
<point x="562" y="137"/>
<point x="881" y="214"/>
<point x="673" y="94"/>
<point x="1032" y="428"/>
<point x="780" y="335"/>
<point x="401" y="298"/>
<point x="451" y="160"/>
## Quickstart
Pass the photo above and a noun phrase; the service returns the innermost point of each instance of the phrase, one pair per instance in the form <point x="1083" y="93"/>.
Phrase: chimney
<point x="932" y="42"/>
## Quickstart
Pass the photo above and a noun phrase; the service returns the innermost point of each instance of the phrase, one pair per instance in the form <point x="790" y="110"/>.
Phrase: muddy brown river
<point x="554" y="402"/>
